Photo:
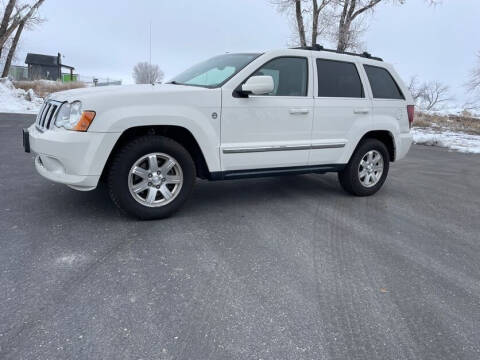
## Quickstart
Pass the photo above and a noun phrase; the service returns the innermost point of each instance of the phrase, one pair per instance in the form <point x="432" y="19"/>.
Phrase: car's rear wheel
<point x="151" y="177"/>
<point x="367" y="170"/>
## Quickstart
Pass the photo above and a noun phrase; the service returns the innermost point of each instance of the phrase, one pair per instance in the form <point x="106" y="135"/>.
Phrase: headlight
<point x="71" y="117"/>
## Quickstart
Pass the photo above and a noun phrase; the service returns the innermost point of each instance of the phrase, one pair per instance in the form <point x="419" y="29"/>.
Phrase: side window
<point x="382" y="83"/>
<point x="290" y="75"/>
<point x="338" y="79"/>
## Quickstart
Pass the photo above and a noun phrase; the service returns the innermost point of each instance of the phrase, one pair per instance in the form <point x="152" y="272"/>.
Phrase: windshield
<point x="215" y="71"/>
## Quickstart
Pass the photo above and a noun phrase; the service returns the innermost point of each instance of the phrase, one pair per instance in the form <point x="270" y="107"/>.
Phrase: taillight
<point x="411" y="114"/>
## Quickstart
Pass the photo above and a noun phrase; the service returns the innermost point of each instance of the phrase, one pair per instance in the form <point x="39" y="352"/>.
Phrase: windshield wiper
<point x="185" y="84"/>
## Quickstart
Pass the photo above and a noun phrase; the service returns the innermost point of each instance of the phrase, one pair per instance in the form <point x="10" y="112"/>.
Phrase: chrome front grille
<point x="46" y="116"/>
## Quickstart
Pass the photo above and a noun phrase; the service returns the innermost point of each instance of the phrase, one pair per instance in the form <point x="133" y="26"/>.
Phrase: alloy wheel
<point x="155" y="179"/>
<point x="370" y="169"/>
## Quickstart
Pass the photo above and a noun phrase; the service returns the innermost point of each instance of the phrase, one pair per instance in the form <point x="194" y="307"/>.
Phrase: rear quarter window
<point x="382" y="83"/>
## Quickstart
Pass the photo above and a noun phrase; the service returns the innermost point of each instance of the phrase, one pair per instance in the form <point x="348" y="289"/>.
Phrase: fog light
<point x="51" y="164"/>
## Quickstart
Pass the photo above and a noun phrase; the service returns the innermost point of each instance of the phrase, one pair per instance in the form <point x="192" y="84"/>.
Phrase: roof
<point x="45" y="60"/>
<point x="39" y="59"/>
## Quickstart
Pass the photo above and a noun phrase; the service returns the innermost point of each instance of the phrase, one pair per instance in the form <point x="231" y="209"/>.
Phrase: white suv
<point x="293" y="111"/>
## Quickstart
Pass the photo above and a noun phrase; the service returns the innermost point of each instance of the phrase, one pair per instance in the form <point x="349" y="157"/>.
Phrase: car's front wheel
<point x="367" y="170"/>
<point x="151" y="177"/>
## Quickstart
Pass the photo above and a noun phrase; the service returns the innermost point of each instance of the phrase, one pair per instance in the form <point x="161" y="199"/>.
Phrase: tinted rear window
<point x="382" y="83"/>
<point x="338" y="79"/>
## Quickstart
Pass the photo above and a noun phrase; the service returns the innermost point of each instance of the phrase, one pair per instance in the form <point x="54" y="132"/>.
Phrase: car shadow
<point x="252" y="192"/>
<point x="207" y="195"/>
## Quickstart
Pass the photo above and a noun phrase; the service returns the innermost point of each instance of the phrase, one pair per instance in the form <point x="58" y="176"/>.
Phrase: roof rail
<point x="317" y="47"/>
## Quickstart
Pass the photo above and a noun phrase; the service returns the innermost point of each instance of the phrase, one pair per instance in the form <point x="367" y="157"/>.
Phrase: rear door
<point x="388" y="99"/>
<point x="341" y="107"/>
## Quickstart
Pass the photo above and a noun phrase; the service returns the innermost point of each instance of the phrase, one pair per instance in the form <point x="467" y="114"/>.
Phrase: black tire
<point x="349" y="177"/>
<point x="125" y="158"/>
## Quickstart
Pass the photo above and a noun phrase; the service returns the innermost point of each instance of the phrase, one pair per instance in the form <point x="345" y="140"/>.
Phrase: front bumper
<point x="73" y="158"/>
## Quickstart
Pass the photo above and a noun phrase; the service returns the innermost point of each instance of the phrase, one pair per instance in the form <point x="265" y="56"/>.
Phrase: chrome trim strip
<point x="243" y="150"/>
<point x="40" y="113"/>
<point x="328" y="146"/>
<point x="46" y="114"/>
<point x="265" y="148"/>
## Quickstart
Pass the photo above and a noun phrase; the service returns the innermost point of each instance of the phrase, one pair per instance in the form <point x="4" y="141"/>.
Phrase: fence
<point x="96" y="81"/>
<point x="20" y="73"/>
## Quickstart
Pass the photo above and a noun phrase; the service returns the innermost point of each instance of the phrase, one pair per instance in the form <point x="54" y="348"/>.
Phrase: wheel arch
<point x="178" y="133"/>
<point x="385" y="137"/>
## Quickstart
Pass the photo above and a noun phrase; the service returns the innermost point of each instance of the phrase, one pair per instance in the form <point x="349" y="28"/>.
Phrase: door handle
<point x="361" y="111"/>
<point x="299" y="111"/>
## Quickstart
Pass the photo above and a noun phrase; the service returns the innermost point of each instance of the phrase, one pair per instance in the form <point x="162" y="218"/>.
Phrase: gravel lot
<point x="274" y="268"/>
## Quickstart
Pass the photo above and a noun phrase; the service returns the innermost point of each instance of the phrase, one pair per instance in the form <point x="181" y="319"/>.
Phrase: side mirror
<point x="258" y="85"/>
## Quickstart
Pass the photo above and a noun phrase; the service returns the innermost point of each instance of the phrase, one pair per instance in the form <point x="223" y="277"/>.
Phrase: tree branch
<point x="17" y="19"/>
<point x="13" y="48"/>
<point x="6" y="16"/>
<point x="315" y="15"/>
<point x="300" y="24"/>
<point x="370" y="5"/>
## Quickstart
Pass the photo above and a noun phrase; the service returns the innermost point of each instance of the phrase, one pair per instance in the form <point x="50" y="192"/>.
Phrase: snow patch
<point x="13" y="100"/>
<point x="462" y="142"/>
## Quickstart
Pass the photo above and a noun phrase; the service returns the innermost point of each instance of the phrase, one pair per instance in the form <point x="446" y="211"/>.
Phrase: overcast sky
<point x="106" y="38"/>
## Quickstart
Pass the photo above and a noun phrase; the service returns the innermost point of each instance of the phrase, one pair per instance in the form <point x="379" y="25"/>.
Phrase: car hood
<point x="96" y="94"/>
<point x="114" y="104"/>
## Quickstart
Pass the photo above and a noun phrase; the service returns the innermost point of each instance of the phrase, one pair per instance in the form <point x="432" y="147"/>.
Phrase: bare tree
<point x="145" y="73"/>
<point x="321" y="16"/>
<point x="12" y="49"/>
<point x="474" y="82"/>
<point x="24" y="24"/>
<point x="416" y="89"/>
<point x="6" y="19"/>
<point x="306" y="12"/>
<point x="351" y="10"/>
<point x="433" y="94"/>
<point x="340" y="20"/>
<point x="318" y="9"/>
<point x="300" y="24"/>
<point x="15" y="14"/>
<point x="473" y="86"/>
<point x="428" y="95"/>
<point x="286" y="6"/>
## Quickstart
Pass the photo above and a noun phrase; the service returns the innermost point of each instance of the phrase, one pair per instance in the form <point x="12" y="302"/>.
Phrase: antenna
<point x="150" y="46"/>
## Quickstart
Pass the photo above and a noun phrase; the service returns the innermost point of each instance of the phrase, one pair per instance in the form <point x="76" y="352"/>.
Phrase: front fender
<point x="196" y="119"/>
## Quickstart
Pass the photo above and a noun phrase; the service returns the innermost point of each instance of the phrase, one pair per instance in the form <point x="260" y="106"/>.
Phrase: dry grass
<point x="463" y="123"/>
<point x="44" y="87"/>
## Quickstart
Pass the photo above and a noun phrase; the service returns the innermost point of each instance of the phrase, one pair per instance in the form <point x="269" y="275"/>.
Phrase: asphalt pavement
<point x="274" y="268"/>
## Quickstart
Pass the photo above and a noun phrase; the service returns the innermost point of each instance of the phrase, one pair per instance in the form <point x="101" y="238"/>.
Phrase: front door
<point x="270" y="130"/>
